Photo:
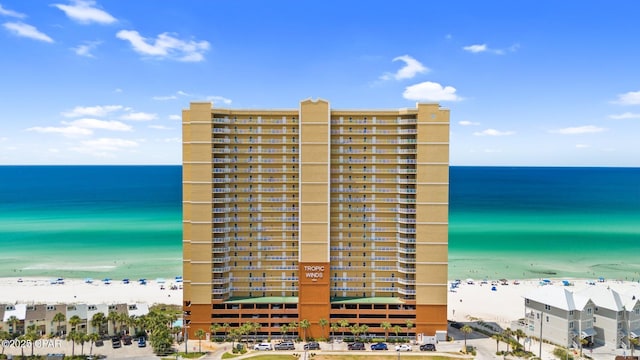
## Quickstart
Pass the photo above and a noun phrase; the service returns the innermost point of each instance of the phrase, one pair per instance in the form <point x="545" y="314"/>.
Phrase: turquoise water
<point x="125" y="221"/>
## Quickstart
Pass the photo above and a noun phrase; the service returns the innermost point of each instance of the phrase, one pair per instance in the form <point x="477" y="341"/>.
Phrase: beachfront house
<point x="79" y="310"/>
<point x="616" y="316"/>
<point x="94" y="309"/>
<point x="559" y="316"/>
<point x="135" y="311"/>
<point x="36" y="316"/>
<point x="631" y="327"/>
<point x="53" y="326"/>
<point x="13" y="318"/>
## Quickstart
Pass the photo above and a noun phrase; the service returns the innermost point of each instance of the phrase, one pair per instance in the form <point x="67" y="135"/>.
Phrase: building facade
<point x="315" y="216"/>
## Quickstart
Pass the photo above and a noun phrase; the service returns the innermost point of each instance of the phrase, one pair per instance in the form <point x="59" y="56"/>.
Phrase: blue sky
<point x="531" y="83"/>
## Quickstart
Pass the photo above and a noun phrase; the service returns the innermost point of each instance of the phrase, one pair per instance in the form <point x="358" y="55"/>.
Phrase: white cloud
<point x="11" y="13"/>
<point x="630" y="98"/>
<point x="626" y="115"/>
<point x="139" y="116"/>
<point x="448" y="36"/>
<point x="468" y="123"/>
<point x="4" y="138"/>
<point x="160" y="127"/>
<point x="478" y="48"/>
<point x="84" y="12"/>
<point x="490" y="151"/>
<point x="586" y="129"/>
<point x="69" y="131"/>
<point x="411" y="68"/>
<point x="25" y="30"/>
<point x="100" y="124"/>
<point x="166" y="46"/>
<point x="175" y="117"/>
<point x="118" y="90"/>
<point x="216" y="98"/>
<point x="172" y="140"/>
<point x="430" y="91"/>
<point x="94" y="111"/>
<point x="53" y="150"/>
<point x="582" y="146"/>
<point x="86" y="48"/>
<point x="493" y="132"/>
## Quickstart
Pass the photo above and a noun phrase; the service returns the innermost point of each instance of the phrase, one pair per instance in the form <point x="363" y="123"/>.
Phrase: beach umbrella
<point x="160" y="280"/>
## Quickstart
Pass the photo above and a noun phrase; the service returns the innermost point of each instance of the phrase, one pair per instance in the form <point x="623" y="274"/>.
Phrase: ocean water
<point x="125" y="221"/>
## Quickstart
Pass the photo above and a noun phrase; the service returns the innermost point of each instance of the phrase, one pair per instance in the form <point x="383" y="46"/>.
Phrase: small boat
<point x="106" y="281"/>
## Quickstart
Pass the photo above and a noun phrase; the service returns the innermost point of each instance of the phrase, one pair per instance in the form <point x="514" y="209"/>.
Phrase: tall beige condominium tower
<point x="315" y="216"/>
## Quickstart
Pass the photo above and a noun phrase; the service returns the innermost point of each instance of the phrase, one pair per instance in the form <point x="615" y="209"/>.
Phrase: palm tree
<point x="364" y="329"/>
<point x="123" y="319"/>
<point x="397" y="329"/>
<point x="113" y="317"/>
<point x="92" y="338"/>
<point x="409" y="325"/>
<point x="73" y="334"/>
<point x="31" y="336"/>
<point x="284" y="329"/>
<point x="506" y="336"/>
<point x="226" y="327"/>
<point x="59" y="317"/>
<point x="583" y="342"/>
<point x="4" y="335"/>
<point x="293" y="326"/>
<point x="82" y="338"/>
<point x="497" y="338"/>
<point x="343" y="325"/>
<point x="385" y="325"/>
<point x="304" y="325"/>
<point x="633" y="342"/>
<point x="74" y="321"/>
<point x="355" y="330"/>
<point x="256" y="327"/>
<point x="334" y="327"/>
<point x="323" y="322"/>
<point x="97" y="320"/>
<point x="214" y="329"/>
<point x="200" y="335"/>
<point x="13" y="320"/>
<point x="466" y="330"/>
<point x="520" y="334"/>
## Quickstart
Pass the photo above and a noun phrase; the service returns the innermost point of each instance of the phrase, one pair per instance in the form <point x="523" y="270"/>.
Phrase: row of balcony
<point x="373" y="151"/>
<point x="227" y="239"/>
<point x="258" y="189"/>
<point x="374" y="190"/>
<point x="372" y="209"/>
<point x="365" y="170"/>
<point x="251" y="170"/>
<point x="257" y="150"/>
<point x="350" y="160"/>
<point x="227" y="199"/>
<point x="259" y="160"/>
<point x="258" y="120"/>
<point x="258" y="218"/>
<point x="259" y="131"/>
<point x="372" y="219"/>
<point x="235" y="208"/>
<point x="373" y="141"/>
<point x="374" y="131"/>
<point x="226" y="140"/>
<point x="223" y="230"/>
<point x="398" y="121"/>
<point x="371" y="200"/>
<point x="372" y="180"/>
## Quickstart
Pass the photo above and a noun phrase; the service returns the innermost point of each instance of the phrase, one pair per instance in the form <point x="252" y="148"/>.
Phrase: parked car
<point x="262" y="346"/>
<point x="312" y="346"/>
<point x="142" y="342"/>
<point x="379" y="346"/>
<point x="428" y="347"/>
<point x="403" y="347"/>
<point x="456" y="325"/>
<point x="115" y="342"/>
<point x="355" y="346"/>
<point x="126" y="340"/>
<point x="285" y="345"/>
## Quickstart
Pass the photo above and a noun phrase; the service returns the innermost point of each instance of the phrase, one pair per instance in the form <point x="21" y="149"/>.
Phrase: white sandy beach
<point x="478" y="300"/>
<point x="506" y="303"/>
<point x="40" y="290"/>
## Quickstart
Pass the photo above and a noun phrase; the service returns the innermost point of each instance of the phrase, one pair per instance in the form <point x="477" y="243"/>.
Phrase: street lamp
<point x="541" y="322"/>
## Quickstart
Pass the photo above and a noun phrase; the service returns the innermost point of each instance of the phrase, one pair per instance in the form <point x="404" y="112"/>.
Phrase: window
<point x="571" y="325"/>
<point x="547" y="307"/>
<point x="571" y="312"/>
<point x="547" y="318"/>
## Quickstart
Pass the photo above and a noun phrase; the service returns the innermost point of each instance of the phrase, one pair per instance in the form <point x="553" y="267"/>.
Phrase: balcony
<point x="220" y="281"/>
<point x="222" y="269"/>
<point x="221" y="240"/>
<point x="406" y="291"/>
<point x="220" y="291"/>
<point x="402" y="281"/>
<point x="220" y="260"/>
<point x="222" y="230"/>
<point x="219" y="250"/>
<point x="406" y="260"/>
<point x="406" y="269"/>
